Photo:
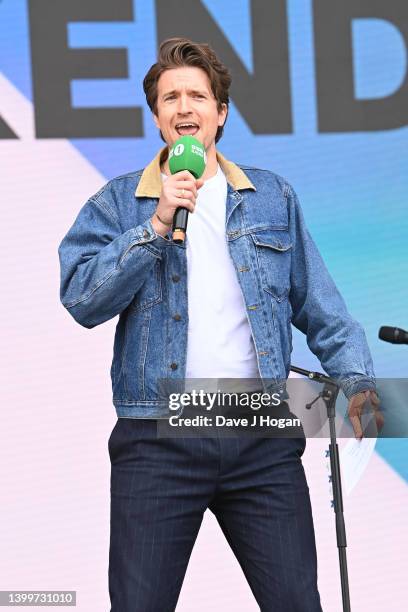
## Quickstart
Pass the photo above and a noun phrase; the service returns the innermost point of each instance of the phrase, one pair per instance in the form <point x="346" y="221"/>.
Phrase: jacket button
<point x="175" y="278"/>
<point x="174" y="366"/>
<point x="177" y="317"/>
<point x="146" y="233"/>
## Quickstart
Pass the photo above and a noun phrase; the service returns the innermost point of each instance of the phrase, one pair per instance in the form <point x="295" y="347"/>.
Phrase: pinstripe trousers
<point x="160" y="489"/>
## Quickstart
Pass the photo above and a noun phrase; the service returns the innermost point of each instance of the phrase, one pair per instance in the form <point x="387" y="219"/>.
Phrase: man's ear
<point x="156" y="121"/>
<point x="221" y="119"/>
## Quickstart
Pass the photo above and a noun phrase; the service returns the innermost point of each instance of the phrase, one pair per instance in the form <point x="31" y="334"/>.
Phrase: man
<point x="219" y="306"/>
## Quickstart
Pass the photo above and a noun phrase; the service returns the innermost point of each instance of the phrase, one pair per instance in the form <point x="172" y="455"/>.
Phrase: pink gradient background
<point x="57" y="416"/>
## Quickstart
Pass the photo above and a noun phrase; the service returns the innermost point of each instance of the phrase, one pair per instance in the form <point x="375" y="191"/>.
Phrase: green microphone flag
<point x="188" y="153"/>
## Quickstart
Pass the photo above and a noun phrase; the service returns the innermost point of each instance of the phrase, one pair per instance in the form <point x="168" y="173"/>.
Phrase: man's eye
<point x="169" y="97"/>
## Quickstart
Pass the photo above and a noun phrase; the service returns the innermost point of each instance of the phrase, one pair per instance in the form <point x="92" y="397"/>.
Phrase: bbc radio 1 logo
<point x="178" y="149"/>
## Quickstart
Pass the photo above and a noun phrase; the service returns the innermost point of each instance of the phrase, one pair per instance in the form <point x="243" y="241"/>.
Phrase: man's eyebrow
<point x="167" y="93"/>
<point x="193" y="91"/>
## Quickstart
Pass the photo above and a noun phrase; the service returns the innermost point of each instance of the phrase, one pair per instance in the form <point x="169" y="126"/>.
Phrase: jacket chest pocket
<point x="273" y="253"/>
<point x="150" y="292"/>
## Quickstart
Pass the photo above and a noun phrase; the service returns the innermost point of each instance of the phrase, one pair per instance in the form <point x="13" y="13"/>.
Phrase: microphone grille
<point x="386" y="333"/>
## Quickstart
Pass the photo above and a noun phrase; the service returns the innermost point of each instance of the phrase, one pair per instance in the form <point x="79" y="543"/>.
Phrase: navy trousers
<point x="160" y="489"/>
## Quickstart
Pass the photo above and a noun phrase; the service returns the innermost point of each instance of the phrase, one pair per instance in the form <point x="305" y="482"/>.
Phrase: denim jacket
<point x="114" y="263"/>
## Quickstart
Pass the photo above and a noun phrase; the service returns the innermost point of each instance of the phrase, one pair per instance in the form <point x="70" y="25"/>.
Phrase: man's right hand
<point x="355" y="409"/>
<point x="179" y="189"/>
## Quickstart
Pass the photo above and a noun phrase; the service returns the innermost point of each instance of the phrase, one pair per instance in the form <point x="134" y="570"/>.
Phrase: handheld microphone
<point x="393" y="334"/>
<point x="187" y="153"/>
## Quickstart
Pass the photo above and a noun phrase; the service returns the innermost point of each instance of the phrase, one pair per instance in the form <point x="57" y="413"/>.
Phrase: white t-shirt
<point x="220" y="343"/>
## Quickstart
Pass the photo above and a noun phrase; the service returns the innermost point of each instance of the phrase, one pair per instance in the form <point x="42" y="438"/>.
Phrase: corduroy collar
<point x="150" y="184"/>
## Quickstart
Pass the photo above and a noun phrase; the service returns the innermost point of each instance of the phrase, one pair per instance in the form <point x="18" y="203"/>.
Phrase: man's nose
<point x="183" y="105"/>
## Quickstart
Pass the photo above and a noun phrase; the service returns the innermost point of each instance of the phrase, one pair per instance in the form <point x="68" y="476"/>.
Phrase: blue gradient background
<point x="353" y="187"/>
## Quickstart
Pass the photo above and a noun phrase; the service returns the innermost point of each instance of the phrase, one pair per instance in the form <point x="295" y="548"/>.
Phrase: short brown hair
<point x="176" y="52"/>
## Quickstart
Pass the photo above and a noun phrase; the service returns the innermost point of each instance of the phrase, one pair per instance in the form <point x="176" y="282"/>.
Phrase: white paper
<point x="354" y="458"/>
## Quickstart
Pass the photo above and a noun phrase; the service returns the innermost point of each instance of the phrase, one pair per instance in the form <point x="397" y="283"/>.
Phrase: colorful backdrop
<point x="320" y="96"/>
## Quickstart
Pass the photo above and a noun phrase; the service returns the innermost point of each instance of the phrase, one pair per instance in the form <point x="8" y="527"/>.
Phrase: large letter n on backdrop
<point x="262" y="98"/>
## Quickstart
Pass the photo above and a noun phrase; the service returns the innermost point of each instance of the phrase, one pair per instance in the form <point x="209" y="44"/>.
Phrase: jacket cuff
<point x="357" y="384"/>
<point x="146" y="235"/>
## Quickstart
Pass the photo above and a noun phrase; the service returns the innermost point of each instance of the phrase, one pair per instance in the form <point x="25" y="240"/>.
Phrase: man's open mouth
<point x="187" y="128"/>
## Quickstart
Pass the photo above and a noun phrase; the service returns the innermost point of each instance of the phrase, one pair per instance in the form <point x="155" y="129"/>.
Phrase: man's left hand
<point x="355" y="410"/>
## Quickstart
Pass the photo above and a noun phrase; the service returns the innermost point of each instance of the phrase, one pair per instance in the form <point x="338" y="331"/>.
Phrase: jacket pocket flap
<point x="279" y="240"/>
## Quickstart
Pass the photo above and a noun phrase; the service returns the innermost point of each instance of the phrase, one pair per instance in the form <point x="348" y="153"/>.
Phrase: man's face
<point x="186" y="105"/>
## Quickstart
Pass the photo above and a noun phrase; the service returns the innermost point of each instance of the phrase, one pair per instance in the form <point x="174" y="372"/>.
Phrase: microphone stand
<point x="329" y="395"/>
